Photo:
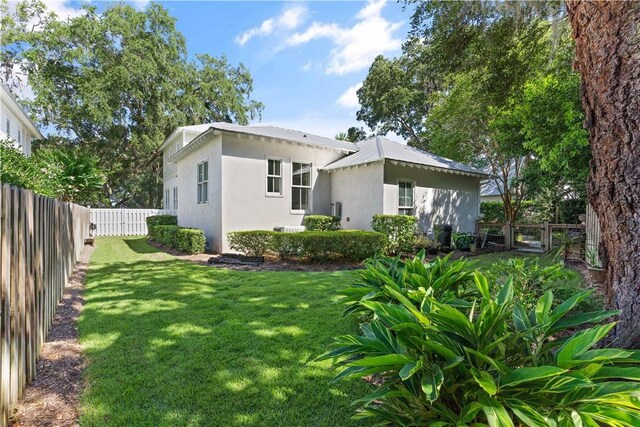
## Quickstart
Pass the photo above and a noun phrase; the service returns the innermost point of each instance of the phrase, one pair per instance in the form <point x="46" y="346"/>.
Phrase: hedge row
<point x="352" y="245"/>
<point x="321" y="223"/>
<point x="188" y="240"/>
<point x="161" y="220"/>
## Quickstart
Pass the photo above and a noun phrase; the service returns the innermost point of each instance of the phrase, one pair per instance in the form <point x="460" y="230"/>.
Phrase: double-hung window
<point x="203" y="182"/>
<point x="405" y="198"/>
<point x="167" y="203"/>
<point x="300" y="186"/>
<point x="175" y="198"/>
<point x="8" y="128"/>
<point x="274" y="177"/>
<point x="20" y="136"/>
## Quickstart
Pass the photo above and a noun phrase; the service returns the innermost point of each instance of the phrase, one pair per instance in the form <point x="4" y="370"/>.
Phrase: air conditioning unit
<point x="289" y="228"/>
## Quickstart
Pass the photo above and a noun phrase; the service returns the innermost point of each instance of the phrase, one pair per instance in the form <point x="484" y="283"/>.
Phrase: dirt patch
<point x="52" y="398"/>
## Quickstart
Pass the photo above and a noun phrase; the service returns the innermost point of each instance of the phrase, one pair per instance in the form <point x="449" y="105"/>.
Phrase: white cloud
<point x="349" y="98"/>
<point x="290" y="19"/>
<point x="354" y="47"/>
<point x="63" y="9"/>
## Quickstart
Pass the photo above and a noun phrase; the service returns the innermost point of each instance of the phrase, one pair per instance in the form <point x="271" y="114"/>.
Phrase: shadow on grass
<point x="140" y="246"/>
<point x="174" y="343"/>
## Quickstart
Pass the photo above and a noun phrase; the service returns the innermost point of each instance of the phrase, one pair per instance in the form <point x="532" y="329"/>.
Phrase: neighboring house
<point x="15" y="124"/>
<point x="222" y="177"/>
<point x="490" y="191"/>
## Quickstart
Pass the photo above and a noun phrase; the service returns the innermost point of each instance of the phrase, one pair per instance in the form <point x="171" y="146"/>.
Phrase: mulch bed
<point x="52" y="399"/>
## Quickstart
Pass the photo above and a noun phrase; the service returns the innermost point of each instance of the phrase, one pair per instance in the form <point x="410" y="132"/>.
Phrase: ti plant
<point x="494" y="364"/>
<point x="443" y="279"/>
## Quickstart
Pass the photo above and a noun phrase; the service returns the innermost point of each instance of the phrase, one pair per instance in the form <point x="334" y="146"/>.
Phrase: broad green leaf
<point x="523" y="375"/>
<point x="485" y="380"/>
<point x="506" y="293"/>
<point x="581" y="342"/>
<point x="496" y="415"/>
<point x="627" y="373"/>
<point x="520" y="319"/>
<point x="581" y="319"/>
<point x="386" y="360"/>
<point x="482" y="284"/>
<point x="526" y="413"/>
<point x="409" y="369"/>
<point x="431" y="381"/>
<point x="543" y="307"/>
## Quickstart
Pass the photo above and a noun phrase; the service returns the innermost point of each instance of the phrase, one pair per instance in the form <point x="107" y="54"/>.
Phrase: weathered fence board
<point x="593" y="238"/>
<point x="40" y="241"/>
<point x="123" y="222"/>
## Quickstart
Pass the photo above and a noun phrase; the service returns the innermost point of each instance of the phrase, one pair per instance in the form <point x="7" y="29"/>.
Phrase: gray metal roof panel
<point x="378" y="148"/>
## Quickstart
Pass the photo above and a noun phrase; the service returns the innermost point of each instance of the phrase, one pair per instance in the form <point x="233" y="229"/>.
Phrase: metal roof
<point x="379" y="148"/>
<point x="265" y="131"/>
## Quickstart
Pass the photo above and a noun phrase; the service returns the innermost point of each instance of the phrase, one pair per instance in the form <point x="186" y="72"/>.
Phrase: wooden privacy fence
<point x="40" y="242"/>
<point x="123" y="222"/>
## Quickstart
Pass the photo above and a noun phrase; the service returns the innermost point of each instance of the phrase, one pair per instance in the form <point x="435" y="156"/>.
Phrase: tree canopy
<point x="117" y="83"/>
<point x="488" y="83"/>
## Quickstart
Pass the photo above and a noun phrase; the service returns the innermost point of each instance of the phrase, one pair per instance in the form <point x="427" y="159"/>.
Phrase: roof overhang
<point x="254" y="137"/>
<point x="480" y="175"/>
<point x="192" y="146"/>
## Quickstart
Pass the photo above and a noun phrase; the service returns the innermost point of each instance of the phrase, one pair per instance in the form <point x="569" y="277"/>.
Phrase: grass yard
<point x="175" y="343"/>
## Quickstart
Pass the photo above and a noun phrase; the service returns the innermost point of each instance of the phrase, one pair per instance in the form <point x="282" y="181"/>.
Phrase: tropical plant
<point x="414" y="279"/>
<point x="494" y="364"/>
<point x="530" y="279"/>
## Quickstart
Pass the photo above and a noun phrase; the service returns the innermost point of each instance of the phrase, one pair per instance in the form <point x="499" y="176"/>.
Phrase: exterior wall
<point x="245" y="204"/>
<point x="439" y="197"/>
<point x="359" y="190"/>
<point x="16" y="124"/>
<point x="191" y="214"/>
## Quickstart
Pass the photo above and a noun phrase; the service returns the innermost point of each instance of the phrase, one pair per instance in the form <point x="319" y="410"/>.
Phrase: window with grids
<point x="175" y="198"/>
<point x="405" y="198"/>
<point x="166" y="199"/>
<point x="203" y="182"/>
<point x="274" y="177"/>
<point x="300" y="186"/>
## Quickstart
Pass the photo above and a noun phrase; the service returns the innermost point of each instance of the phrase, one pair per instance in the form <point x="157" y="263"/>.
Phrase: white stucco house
<point x="15" y="124"/>
<point x="223" y="177"/>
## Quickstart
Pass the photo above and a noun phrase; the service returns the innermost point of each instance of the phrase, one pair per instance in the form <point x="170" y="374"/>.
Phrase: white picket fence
<point x="123" y="222"/>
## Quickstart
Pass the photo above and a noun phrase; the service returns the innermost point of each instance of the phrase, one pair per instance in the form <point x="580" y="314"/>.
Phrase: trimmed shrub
<point x="352" y="245"/>
<point x="321" y="223"/>
<point x="492" y="211"/>
<point x="189" y="240"/>
<point x="399" y="230"/>
<point x="250" y="243"/>
<point x="161" y="220"/>
<point x="286" y="245"/>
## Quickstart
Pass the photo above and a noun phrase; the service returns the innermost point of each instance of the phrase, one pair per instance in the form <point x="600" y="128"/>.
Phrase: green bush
<point x="286" y="245"/>
<point x="250" y="243"/>
<point x="161" y="220"/>
<point x="493" y="363"/>
<point x="189" y="240"/>
<point x="399" y="230"/>
<point x="352" y="245"/>
<point x="492" y="211"/>
<point x="321" y="223"/>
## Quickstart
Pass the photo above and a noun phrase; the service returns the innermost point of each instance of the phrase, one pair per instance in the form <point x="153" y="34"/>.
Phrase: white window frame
<point x="19" y="136"/>
<point x="413" y="197"/>
<point x="175" y="199"/>
<point x="281" y="176"/>
<point x="8" y="127"/>
<point x="167" y="201"/>
<point x="310" y="187"/>
<point x="202" y="197"/>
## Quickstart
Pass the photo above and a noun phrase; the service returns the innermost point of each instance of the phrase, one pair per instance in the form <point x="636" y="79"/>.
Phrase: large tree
<point x="607" y="36"/>
<point x="117" y="83"/>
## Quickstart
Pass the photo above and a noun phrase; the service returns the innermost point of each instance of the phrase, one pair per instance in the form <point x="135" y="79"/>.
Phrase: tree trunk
<point x="607" y="36"/>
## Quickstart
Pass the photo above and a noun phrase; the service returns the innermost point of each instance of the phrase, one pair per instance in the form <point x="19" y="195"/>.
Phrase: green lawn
<point x="175" y="343"/>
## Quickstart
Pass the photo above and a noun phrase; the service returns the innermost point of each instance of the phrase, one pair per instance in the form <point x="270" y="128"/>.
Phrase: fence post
<point x="508" y="236"/>
<point x="545" y="236"/>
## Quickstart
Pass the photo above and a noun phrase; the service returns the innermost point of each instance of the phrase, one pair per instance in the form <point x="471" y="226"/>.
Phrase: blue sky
<point x="306" y="58"/>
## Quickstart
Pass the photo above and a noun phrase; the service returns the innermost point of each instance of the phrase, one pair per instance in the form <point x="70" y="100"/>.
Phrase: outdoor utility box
<point x="443" y="234"/>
